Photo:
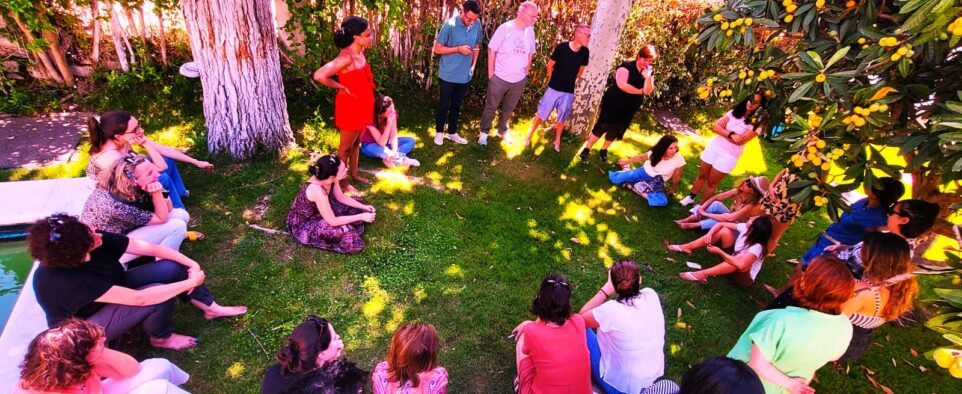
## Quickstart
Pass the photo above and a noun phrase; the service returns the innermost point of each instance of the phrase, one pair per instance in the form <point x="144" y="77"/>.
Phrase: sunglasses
<point x="557" y="282"/>
<point x="893" y="211"/>
<point x="55" y="222"/>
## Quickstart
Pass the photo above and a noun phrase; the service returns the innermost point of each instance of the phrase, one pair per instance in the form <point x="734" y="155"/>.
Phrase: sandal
<point x="678" y="248"/>
<point x="690" y="276"/>
<point x="194" y="236"/>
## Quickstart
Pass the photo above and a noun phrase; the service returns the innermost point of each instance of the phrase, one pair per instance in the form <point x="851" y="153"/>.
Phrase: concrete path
<point x="670" y="121"/>
<point x="32" y="142"/>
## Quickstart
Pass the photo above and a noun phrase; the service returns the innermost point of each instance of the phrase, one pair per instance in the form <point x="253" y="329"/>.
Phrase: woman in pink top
<point x="552" y="355"/>
<point x="412" y="363"/>
<point x="719" y="158"/>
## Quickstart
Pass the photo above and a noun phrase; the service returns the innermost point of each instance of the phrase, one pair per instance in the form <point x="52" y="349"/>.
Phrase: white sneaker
<point x="454" y="137"/>
<point x="686" y="201"/>
<point x="438" y="139"/>
<point x="483" y="139"/>
<point x="506" y="138"/>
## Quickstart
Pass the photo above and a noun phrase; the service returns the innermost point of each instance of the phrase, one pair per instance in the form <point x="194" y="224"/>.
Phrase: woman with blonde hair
<point x="746" y="203"/>
<point x="411" y="366"/>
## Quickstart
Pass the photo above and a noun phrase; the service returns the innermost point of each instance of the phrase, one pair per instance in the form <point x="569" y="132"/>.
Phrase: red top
<point x="560" y="356"/>
<point x="355" y="113"/>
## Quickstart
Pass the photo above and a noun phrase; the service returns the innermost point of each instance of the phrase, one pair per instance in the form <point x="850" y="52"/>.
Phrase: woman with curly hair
<point x="411" y="366"/>
<point x="661" y="163"/>
<point x="72" y="358"/>
<point x="551" y="353"/>
<point x="311" y="362"/>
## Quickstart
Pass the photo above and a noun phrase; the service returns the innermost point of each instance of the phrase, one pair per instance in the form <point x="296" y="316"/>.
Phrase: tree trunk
<point x="117" y="32"/>
<point x="235" y="47"/>
<point x="58" y="56"/>
<point x="162" y="39"/>
<point x="606" y="28"/>
<point x="143" y="32"/>
<point x="95" y="14"/>
<point x="39" y="54"/>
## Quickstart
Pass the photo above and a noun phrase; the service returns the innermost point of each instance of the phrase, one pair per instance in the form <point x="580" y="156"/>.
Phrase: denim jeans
<point x="716" y="207"/>
<point x="449" y="106"/>
<point x="405" y="145"/>
<point x="594" y="352"/>
<point x="172" y="181"/>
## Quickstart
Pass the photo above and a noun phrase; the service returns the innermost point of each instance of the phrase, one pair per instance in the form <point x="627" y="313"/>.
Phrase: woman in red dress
<point x="354" y="103"/>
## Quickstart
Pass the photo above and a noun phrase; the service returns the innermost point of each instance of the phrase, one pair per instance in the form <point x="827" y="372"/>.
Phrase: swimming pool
<point x="15" y="264"/>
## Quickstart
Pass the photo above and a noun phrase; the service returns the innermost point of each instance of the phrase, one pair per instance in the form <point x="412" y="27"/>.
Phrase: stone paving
<point x="33" y="142"/>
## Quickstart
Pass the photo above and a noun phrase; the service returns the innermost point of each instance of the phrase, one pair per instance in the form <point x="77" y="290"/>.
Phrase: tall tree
<point x="606" y="27"/>
<point x="235" y="47"/>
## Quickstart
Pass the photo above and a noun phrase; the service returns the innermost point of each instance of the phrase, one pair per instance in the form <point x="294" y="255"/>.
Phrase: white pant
<point x="169" y="234"/>
<point x="156" y="376"/>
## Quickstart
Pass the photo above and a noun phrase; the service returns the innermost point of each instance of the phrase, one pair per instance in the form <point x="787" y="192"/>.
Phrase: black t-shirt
<point x="618" y="106"/>
<point x="68" y="292"/>
<point x="566" y="66"/>
<point x="275" y="382"/>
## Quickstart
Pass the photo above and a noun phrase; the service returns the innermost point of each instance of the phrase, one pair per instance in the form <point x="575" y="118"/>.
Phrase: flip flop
<point x="677" y="248"/>
<point x="690" y="276"/>
<point x="194" y="236"/>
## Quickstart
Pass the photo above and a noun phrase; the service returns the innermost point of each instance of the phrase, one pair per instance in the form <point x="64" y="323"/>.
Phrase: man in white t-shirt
<point x="510" y="52"/>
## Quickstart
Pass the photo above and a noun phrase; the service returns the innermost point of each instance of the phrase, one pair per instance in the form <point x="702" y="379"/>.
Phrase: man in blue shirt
<point x="458" y="43"/>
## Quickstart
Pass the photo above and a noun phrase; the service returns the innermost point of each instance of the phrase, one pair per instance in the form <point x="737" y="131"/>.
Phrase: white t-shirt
<point x="512" y="47"/>
<point x="631" y="337"/>
<point x="755" y="249"/>
<point x="665" y="167"/>
<point x="722" y="144"/>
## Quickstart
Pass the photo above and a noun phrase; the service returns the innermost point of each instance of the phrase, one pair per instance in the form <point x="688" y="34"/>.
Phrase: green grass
<point x="465" y="251"/>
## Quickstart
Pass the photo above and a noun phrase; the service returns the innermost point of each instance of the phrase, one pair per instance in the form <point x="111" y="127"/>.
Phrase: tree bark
<point x="95" y="16"/>
<point x="39" y="54"/>
<point x="163" y="36"/>
<point x="117" y="33"/>
<point x="235" y="46"/>
<point x="58" y="56"/>
<point x="143" y="32"/>
<point x="606" y="27"/>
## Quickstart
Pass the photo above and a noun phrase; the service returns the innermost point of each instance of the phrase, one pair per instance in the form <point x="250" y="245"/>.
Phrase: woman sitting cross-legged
<point x="551" y="354"/>
<point x="746" y="203"/>
<point x="380" y="140"/>
<point x="721" y="375"/>
<point x="72" y="357"/>
<point x="322" y="216"/>
<point x="748" y="241"/>
<point x="660" y="163"/>
<point x="628" y="352"/>
<point x="786" y="346"/>
<point x="80" y="275"/>
<point x="129" y="200"/>
<point x="412" y="363"/>
<point x="311" y="362"/>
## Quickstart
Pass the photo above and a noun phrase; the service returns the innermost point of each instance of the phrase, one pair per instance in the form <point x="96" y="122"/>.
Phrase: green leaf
<point x="905" y="67"/>
<point x="817" y="59"/>
<point x="952" y="296"/>
<point x="955" y="136"/>
<point x="911" y="6"/>
<point x="801" y="91"/>
<point x="911" y="144"/>
<point x="839" y="54"/>
<point x="765" y="22"/>
<point x="955" y="106"/>
<point x="953" y="338"/>
<point x="798" y="75"/>
<point x="957" y="166"/>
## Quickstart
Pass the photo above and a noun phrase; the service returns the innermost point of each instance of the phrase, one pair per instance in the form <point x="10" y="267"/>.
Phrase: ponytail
<point x="106" y="127"/>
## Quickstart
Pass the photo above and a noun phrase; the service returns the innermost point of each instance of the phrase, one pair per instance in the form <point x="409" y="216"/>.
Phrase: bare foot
<point x="774" y="291"/>
<point x="678" y="248"/>
<point x="389" y="163"/>
<point x="361" y="179"/>
<point x="350" y="189"/>
<point x="557" y="146"/>
<point x="215" y="311"/>
<point x="174" y="342"/>
<point x="527" y="142"/>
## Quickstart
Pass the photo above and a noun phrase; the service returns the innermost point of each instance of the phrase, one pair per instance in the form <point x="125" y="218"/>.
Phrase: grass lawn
<point x="463" y="246"/>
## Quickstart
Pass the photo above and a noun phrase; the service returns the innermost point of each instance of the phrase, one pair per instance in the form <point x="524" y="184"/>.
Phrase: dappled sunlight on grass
<point x="392" y="181"/>
<point x="377" y="298"/>
<point x="236" y="370"/>
<point x="752" y="160"/>
<point x="180" y="136"/>
<point x="443" y="160"/>
<point x="515" y="148"/>
<point x="373" y="310"/>
<point x="454" y="271"/>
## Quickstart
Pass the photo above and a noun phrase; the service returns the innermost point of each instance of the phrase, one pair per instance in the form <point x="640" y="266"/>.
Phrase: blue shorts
<point x="553" y="100"/>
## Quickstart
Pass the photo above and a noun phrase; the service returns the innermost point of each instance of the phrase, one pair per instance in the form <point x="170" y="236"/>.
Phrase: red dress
<point x="355" y="113"/>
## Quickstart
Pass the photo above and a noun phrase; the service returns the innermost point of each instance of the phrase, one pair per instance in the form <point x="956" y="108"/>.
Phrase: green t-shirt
<point x="795" y="340"/>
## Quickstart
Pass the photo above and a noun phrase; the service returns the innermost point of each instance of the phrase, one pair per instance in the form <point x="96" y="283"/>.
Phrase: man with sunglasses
<point x="458" y="43"/>
<point x="567" y="63"/>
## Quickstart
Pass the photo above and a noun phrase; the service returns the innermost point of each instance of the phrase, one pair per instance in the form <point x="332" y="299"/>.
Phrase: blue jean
<point x="164" y="272"/>
<point x="405" y="145"/>
<point x="716" y="207"/>
<point x="172" y="181"/>
<point x="594" y="352"/>
<point x="626" y="176"/>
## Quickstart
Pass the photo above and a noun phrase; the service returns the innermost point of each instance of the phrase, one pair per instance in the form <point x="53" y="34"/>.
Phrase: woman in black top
<point x="311" y="363"/>
<point x="621" y="101"/>
<point x="80" y="275"/>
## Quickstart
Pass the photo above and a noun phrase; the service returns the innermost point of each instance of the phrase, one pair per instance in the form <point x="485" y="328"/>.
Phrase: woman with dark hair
<point x="411" y="366"/>
<point x="112" y="136"/>
<point x="734" y="130"/>
<point x="551" y="354"/>
<point x="354" y="102"/>
<point x="633" y="79"/>
<point x="786" y="346"/>
<point x="865" y="215"/>
<point x="129" y="200"/>
<point x="746" y="203"/>
<point x="748" y="250"/>
<point x="72" y="357"/>
<point x="311" y="362"/>
<point x="660" y="163"/>
<point x="380" y="140"/>
<point x="80" y="275"/>
<point x="322" y="216"/>
<point x="721" y="375"/>
<point x="628" y="352"/>
<point x="907" y="219"/>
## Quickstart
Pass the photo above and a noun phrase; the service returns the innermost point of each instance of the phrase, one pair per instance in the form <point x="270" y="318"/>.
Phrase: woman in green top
<point x="786" y="346"/>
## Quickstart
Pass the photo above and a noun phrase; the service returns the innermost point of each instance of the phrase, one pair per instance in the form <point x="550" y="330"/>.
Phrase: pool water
<point x="15" y="265"/>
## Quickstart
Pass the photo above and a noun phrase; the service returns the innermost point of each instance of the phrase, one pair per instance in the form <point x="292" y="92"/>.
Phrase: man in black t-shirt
<point x="568" y="61"/>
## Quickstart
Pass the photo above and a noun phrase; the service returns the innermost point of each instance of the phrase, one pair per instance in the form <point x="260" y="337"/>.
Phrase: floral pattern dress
<point x="308" y="228"/>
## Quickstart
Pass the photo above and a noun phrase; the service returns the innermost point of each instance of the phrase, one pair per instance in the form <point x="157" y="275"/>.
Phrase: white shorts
<point x="719" y="159"/>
